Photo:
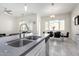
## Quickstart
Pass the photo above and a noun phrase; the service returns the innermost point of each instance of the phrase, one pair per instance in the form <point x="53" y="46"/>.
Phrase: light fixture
<point x="25" y="7"/>
<point x="52" y="4"/>
<point x="52" y="16"/>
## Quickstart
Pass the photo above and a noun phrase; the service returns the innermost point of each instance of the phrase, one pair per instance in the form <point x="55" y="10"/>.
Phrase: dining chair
<point x="57" y="34"/>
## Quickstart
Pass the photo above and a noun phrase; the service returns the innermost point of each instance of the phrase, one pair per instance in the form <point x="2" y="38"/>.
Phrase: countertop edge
<point x="27" y="51"/>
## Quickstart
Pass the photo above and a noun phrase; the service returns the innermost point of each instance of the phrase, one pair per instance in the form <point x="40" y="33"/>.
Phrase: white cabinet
<point x="39" y="50"/>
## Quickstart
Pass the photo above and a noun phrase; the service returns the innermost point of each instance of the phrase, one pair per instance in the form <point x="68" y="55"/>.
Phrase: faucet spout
<point x="26" y="28"/>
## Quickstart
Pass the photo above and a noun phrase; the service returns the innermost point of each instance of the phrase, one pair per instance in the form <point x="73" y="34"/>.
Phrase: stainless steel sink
<point x="33" y="37"/>
<point x="21" y="42"/>
<point x="18" y="43"/>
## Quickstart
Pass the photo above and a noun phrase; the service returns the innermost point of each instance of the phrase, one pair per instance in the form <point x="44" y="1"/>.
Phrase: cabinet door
<point x="41" y="52"/>
<point x="36" y="50"/>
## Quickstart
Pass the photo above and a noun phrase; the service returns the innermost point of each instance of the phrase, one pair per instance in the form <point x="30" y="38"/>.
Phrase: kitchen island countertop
<point x="7" y="50"/>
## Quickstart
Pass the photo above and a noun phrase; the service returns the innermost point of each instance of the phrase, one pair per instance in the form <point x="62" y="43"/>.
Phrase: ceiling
<point x="39" y="8"/>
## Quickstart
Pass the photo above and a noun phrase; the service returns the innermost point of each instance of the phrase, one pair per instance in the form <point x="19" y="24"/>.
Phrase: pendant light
<point x="25" y="7"/>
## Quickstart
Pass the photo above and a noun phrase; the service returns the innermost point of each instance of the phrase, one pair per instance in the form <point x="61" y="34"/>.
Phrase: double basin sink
<point x="22" y="42"/>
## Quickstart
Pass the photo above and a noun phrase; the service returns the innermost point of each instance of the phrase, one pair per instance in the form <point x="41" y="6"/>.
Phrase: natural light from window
<point x="55" y="25"/>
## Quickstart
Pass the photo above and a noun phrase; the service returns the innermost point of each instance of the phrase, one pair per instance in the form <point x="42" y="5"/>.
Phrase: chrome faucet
<point x="20" y="35"/>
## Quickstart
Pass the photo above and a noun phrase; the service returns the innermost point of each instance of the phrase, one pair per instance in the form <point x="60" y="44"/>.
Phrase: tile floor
<point x="66" y="48"/>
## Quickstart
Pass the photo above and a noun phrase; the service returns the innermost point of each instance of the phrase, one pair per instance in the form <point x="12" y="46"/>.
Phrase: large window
<point x="54" y="25"/>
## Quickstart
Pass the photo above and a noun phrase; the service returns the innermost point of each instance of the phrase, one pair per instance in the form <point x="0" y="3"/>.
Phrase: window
<point x="62" y="25"/>
<point x="54" y="25"/>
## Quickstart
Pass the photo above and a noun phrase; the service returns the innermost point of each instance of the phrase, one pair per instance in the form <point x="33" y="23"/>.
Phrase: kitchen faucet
<point x="20" y="36"/>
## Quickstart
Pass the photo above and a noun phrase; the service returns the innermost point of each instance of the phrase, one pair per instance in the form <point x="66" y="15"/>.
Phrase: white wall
<point x="66" y="17"/>
<point x="7" y="24"/>
<point x="75" y="29"/>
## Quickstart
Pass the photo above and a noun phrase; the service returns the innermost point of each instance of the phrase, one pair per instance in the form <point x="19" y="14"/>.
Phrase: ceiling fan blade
<point x="8" y="11"/>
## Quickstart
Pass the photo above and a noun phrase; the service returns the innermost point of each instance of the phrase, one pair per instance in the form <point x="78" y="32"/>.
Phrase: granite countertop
<point x="7" y="50"/>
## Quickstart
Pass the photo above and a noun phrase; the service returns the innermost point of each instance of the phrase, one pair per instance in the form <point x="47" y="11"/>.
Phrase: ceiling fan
<point x="8" y="11"/>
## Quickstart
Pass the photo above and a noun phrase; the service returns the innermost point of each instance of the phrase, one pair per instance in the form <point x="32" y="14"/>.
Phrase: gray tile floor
<point x="66" y="48"/>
